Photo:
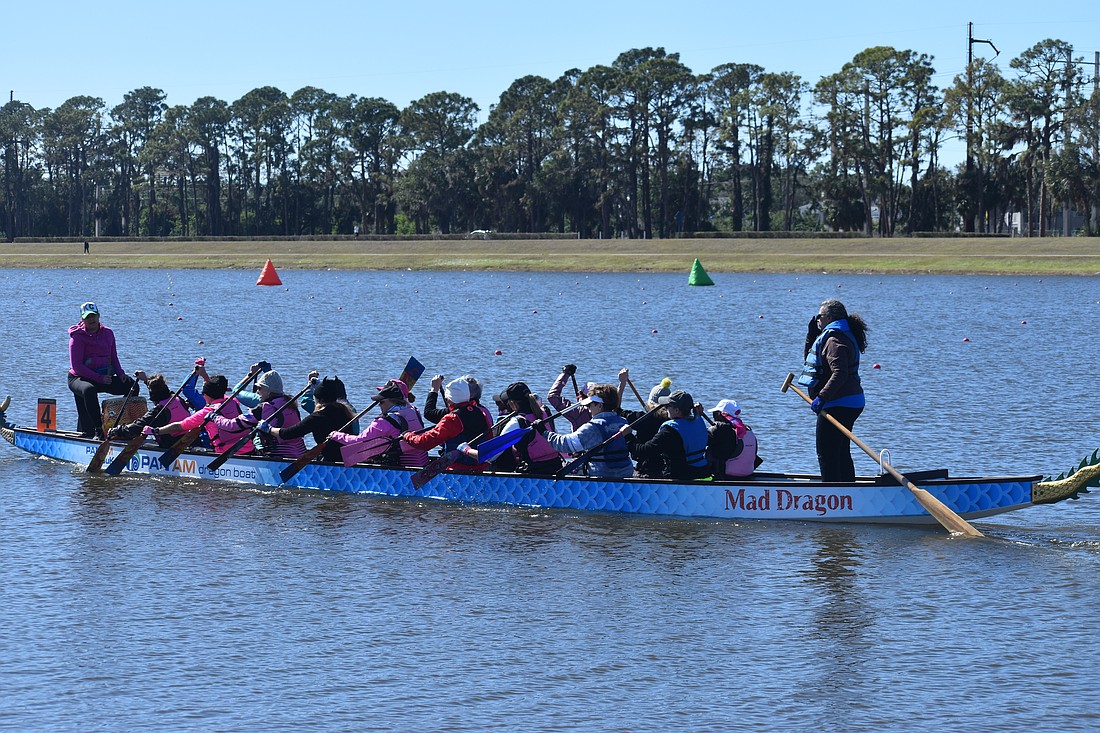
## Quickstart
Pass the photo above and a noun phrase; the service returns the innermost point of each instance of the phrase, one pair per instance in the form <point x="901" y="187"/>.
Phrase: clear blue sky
<point x="401" y="51"/>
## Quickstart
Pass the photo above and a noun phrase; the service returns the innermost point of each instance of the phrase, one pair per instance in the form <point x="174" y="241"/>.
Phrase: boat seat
<point x="914" y="476"/>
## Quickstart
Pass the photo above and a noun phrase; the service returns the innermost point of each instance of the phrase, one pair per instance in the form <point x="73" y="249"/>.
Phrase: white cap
<point x="730" y="407"/>
<point x="457" y="391"/>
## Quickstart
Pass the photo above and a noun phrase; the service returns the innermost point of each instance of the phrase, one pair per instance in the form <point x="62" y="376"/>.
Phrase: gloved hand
<point x="816" y="405"/>
<point x="149" y="430"/>
<point x="464" y="448"/>
<point x="569" y="369"/>
<point x="263" y="426"/>
<point x="112" y="433"/>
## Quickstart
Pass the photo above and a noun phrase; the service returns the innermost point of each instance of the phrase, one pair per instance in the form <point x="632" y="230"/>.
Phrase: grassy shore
<point x="1019" y="256"/>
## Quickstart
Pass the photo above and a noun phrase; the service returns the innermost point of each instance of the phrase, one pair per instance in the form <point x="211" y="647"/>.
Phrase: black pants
<point x="89" y="418"/>
<point x="834" y="450"/>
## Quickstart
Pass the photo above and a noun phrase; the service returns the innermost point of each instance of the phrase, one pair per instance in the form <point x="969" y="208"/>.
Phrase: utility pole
<point x="971" y="182"/>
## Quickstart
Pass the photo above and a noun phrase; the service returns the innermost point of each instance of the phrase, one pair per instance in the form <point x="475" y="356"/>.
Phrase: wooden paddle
<point x="299" y="463"/>
<point x="100" y="455"/>
<point x="184" y="442"/>
<point x="637" y="394"/>
<point x="218" y="462"/>
<point x="411" y="373"/>
<point x="445" y="459"/>
<point x="943" y="514"/>
<point x="119" y="462"/>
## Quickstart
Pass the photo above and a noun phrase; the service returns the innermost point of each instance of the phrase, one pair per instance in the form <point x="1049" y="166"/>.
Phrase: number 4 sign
<point x="47" y="415"/>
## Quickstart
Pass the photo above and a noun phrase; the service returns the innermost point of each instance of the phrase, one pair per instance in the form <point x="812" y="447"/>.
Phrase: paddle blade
<point x="299" y="463"/>
<point x="101" y="452"/>
<point x="412" y="372"/>
<point x="434" y="468"/>
<point x="119" y="462"/>
<point x="950" y="521"/>
<point x="492" y="448"/>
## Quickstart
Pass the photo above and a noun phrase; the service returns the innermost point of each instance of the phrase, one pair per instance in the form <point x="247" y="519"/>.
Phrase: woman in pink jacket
<point x="94" y="369"/>
<point x="380" y="443"/>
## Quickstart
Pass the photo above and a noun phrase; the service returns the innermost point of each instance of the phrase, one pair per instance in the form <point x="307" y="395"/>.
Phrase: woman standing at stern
<point x="834" y="342"/>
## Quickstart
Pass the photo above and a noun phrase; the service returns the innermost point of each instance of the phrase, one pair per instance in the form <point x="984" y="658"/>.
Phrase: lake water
<point x="137" y="603"/>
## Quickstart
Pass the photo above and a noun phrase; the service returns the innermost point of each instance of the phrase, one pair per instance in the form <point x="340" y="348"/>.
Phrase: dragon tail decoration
<point x="1069" y="484"/>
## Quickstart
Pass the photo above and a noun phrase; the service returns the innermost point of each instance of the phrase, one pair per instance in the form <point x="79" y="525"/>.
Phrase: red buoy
<point x="268" y="276"/>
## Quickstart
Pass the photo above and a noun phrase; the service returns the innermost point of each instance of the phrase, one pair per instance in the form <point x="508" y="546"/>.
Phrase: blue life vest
<point x="810" y="377"/>
<point x="613" y="460"/>
<point x="694" y="434"/>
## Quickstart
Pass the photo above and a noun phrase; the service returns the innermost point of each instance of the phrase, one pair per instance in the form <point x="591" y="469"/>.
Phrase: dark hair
<point x="835" y="310"/>
<point x="608" y="393"/>
<point x="158" y="388"/>
<point x="475" y="387"/>
<point x="329" y="390"/>
<point x="216" y="387"/>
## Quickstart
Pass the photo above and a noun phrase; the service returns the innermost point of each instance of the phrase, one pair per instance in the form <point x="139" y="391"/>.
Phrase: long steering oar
<point x="218" y="462"/>
<point x="96" y="463"/>
<point x="943" y="514"/>
<point x="119" y="462"/>
<point x="192" y="435"/>
<point x="444" y="461"/>
<point x="587" y="455"/>
<point x="299" y="463"/>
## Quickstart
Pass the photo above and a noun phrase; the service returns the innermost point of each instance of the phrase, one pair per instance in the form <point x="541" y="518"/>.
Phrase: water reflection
<point x="842" y="619"/>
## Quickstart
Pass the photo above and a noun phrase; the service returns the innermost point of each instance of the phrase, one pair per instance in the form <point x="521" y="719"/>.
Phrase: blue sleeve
<point x="248" y="399"/>
<point x="307" y="402"/>
<point x="192" y="396"/>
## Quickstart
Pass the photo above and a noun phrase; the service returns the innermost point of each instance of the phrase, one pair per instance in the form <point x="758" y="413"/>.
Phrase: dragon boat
<point x="767" y="496"/>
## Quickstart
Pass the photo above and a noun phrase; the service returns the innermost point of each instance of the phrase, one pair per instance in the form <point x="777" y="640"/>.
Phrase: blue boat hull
<point x="770" y="497"/>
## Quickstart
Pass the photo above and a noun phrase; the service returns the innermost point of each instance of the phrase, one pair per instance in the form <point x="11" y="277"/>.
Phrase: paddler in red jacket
<point x="466" y="421"/>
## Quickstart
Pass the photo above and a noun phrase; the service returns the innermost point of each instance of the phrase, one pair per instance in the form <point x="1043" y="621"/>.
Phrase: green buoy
<point x="698" y="275"/>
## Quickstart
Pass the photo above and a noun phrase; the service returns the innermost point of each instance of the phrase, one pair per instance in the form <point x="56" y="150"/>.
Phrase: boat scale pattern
<point x="772" y="496"/>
